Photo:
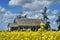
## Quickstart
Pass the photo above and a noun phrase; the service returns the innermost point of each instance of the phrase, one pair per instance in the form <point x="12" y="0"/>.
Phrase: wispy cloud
<point x="55" y="11"/>
<point x="2" y="9"/>
<point x="52" y="17"/>
<point x="32" y="4"/>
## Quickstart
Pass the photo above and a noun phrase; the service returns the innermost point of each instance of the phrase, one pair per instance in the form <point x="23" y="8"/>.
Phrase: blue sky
<point x="32" y="8"/>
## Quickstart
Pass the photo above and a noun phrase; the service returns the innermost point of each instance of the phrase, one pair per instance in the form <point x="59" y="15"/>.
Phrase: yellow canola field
<point x="30" y="35"/>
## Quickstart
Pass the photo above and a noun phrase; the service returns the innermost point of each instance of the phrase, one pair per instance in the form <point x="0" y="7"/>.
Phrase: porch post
<point x="9" y="28"/>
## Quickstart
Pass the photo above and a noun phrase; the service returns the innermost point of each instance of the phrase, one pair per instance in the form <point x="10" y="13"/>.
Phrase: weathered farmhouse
<point x="24" y="23"/>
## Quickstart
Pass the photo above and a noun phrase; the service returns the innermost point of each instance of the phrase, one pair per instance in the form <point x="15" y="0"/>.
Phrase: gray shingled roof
<point x="25" y="22"/>
<point x="13" y="25"/>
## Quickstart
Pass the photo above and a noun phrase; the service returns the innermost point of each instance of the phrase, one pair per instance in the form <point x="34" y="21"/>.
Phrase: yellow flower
<point x="42" y="24"/>
<point x="44" y="35"/>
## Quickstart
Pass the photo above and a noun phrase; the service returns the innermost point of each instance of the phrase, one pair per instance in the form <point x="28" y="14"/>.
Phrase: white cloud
<point x="9" y="14"/>
<point x="37" y="5"/>
<point x="55" y="11"/>
<point x="52" y="17"/>
<point x="26" y="13"/>
<point x="6" y="14"/>
<point x="35" y="16"/>
<point x="48" y="10"/>
<point x="14" y="2"/>
<point x="59" y="1"/>
<point x="33" y="4"/>
<point x="2" y="9"/>
<point x="22" y="2"/>
<point x="54" y="22"/>
<point x="19" y="2"/>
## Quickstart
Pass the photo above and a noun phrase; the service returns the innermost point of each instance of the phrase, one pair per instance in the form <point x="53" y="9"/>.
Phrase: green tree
<point x="45" y="18"/>
<point x="48" y="26"/>
<point x="58" y="22"/>
<point x="45" y="15"/>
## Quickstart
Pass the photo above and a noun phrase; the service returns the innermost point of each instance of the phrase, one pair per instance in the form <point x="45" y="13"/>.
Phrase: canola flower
<point x="26" y="35"/>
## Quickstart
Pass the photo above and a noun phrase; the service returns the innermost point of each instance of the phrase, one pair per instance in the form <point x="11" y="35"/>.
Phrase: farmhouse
<point x="24" y="23"/>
